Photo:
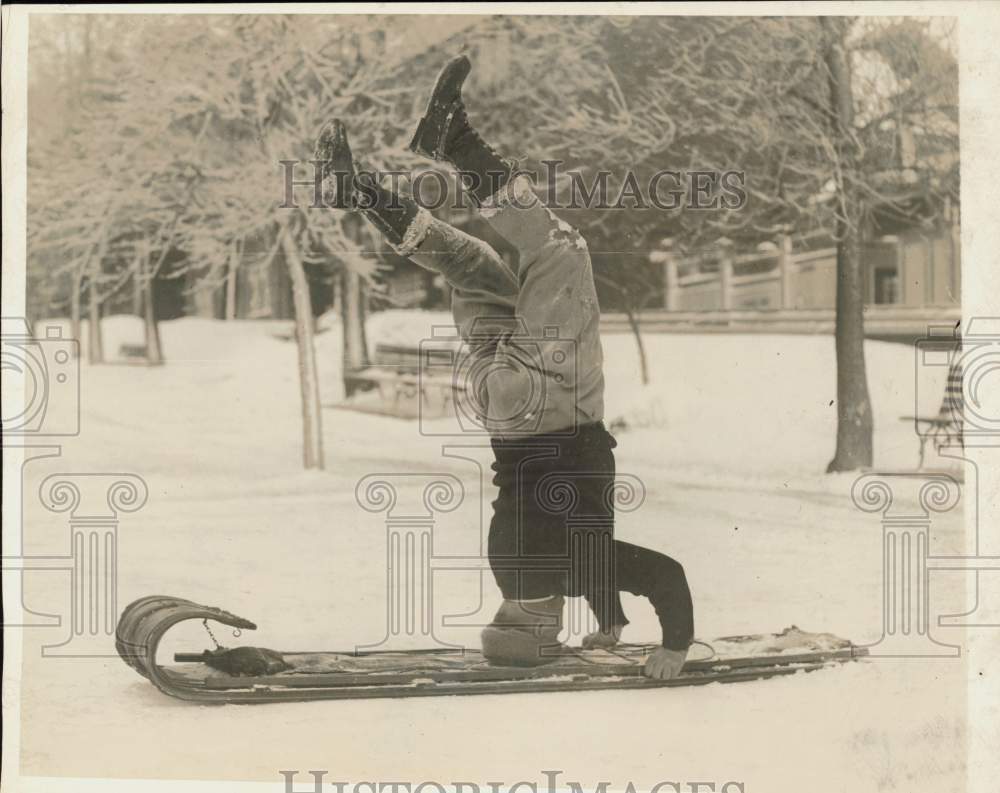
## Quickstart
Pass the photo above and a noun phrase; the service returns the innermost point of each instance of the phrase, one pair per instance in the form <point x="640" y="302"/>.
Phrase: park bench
<point x="405" y="380"/>
<point x="126" y="350"/>
<point x="944" y="429"/>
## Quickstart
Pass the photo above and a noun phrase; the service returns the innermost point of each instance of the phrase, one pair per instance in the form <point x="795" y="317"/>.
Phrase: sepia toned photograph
<point x="461" y="398"/>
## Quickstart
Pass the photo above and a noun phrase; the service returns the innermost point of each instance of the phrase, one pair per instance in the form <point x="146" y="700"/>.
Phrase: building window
<point x="887" y="290"/>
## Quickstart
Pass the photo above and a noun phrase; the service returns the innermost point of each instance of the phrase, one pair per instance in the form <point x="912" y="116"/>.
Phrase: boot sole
<point x="505" y="647"/>
<point x="460" y="66"/>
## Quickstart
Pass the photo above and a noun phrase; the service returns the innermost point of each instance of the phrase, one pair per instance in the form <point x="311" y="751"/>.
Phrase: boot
<point x="444" y="133"/>
<point x="524" y="632"/>
<point x="346" y="186"/>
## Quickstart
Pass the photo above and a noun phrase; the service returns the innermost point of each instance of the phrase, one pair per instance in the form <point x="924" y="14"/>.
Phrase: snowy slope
<point x="730" y="440"/>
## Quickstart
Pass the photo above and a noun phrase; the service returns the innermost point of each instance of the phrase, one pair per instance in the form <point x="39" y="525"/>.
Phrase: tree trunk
<point x="138" y="298"/>
<point x="94" y="269"/>
<point x="95" y="341"/>
<point x="633" y="322"/>
<point x="312" y="429"/>
<point x="154" y="350"/>
<point x="234" y="261"/>
<point x="854" y="413"/>
<point x="74" y="310"/>
<point x="355" y="350"/>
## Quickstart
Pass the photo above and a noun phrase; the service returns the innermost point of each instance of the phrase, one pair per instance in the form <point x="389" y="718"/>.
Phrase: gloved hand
<point x="603" y="640"/>
<point x="664" y="664"/>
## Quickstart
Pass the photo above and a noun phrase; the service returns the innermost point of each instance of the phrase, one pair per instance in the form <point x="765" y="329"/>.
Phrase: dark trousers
<point x="552" y="532"/>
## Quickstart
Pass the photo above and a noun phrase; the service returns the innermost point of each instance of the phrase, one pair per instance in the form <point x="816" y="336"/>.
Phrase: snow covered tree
<point x="247" y="95"/>
<point x="854" y="410"/>
<point x="95" y="181"/>
<point x="906" y="101"/>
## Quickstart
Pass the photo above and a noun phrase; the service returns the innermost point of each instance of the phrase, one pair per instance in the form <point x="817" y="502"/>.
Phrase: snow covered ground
<point x="730" y="440"/>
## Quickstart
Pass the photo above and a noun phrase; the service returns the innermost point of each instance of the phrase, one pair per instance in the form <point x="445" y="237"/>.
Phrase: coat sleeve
<point x="661" y="579"/>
